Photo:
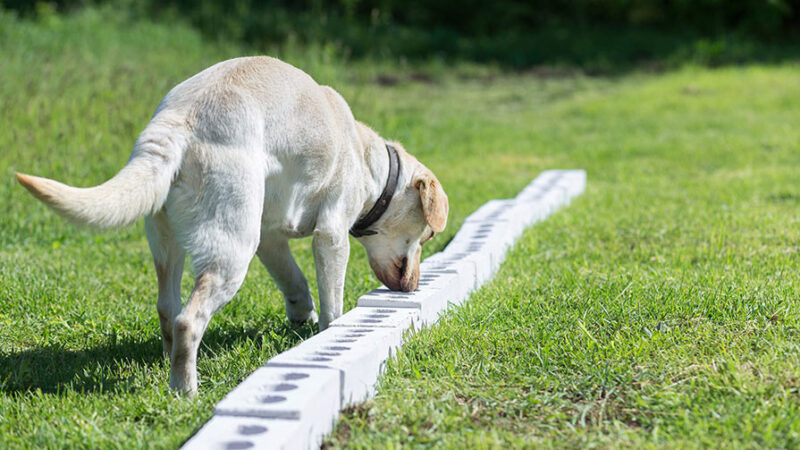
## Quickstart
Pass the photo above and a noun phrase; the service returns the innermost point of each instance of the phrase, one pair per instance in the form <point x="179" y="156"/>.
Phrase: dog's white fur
<point x="237" y="160"/>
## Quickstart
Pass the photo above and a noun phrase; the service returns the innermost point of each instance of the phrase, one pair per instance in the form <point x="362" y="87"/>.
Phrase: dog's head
<point x="417" y="211"/>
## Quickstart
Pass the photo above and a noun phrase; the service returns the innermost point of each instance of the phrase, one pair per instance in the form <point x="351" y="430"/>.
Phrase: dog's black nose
<point x="408" y="281"/>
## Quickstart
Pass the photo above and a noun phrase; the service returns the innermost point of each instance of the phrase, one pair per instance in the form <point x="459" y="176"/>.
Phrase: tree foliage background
<point x="518" y="33"/>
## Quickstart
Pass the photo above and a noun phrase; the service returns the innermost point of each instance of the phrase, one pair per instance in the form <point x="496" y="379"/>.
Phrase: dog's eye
<point x="430" y="236"/>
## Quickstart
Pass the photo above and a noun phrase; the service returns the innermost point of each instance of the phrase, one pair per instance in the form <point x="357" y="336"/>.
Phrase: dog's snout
<point x="408" y="286"/>
<point x="408" y="278"/>
<point x="399" y="275"/>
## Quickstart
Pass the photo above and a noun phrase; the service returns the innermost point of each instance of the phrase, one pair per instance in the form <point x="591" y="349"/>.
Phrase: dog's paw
<point x="300" y="308"/>
<point x="183" y="386"/>
<point x="307" y="317"/>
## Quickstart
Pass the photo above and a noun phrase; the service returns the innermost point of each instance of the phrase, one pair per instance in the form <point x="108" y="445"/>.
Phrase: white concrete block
<point x="544" y="182"/>
<point x="531" y="196"/>
<point x="440" y="285"/>
<point x="523" y="218"/>
<point x="491" y="211"/>
<point x="484" y="270"/>
<point x="359" y="354"/>
<point x="457" y="261"/>
<point x="429" y="301"/>
<point x="444" y="262"/>
<point x="476" y="235"/>
<point x="530" y="213"/>
<point x="536" y="187"/>
<point x="544" y="203"/>
<point x="549" y="176"/>
<point x="308" y="394"/>
<point x="480" y="231"/>
<point x="481" y="263"/>
<point x="461" y="282"/>
<point x="574" y="181"/>
<point x="506" y="224"/>
<point x="372" y="317"/>
<point x="463" y="270"/>
<point x="555" y="198"/>
<point x="449" y="284"/>
<point x="490" y="244"/>
<point x="440" y="280"/>
<point x="230" y="432"/>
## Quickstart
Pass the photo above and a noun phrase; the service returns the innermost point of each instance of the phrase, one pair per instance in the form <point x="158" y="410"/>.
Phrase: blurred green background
<point x="598" y="36"/>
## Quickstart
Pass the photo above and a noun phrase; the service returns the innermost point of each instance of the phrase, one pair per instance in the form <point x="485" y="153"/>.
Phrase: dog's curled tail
<point x="140" y="188"/>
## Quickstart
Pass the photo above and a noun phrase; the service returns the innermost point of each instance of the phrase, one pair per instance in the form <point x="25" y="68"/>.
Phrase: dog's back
<point x="256" y="111"/>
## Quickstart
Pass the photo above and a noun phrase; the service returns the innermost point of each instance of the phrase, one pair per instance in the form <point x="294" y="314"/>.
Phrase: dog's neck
<point x="377" y="168"/>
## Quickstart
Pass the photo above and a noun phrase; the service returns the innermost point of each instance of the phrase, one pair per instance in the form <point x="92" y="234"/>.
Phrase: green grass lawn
<point x="659" y="309"/>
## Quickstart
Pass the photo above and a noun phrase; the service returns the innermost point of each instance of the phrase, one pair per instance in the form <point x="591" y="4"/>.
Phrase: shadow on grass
<point x="114" y="366"/>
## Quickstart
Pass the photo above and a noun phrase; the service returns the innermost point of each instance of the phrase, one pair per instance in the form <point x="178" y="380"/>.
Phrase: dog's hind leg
<point x="274" y="253"/>
<point x="168" y="258"/>
<point x="221" y="222"/>
<point x="213" y="288"/>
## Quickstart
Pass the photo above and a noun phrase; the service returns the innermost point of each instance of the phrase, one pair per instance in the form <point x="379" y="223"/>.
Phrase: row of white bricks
<point x="293" y="401"/>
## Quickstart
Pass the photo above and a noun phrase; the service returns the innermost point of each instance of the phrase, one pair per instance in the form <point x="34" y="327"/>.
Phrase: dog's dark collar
<point x="360" y="227"/>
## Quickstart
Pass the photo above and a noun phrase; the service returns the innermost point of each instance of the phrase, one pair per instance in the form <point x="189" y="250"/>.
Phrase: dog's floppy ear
<point x="434" y="200"/>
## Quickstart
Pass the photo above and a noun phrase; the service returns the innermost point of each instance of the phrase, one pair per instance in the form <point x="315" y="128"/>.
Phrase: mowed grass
<point x="660" y="308"/>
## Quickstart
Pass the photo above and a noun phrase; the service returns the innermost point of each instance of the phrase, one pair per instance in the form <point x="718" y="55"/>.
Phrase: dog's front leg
<point x="274" y="253"/>
<point x="331" y="251"/>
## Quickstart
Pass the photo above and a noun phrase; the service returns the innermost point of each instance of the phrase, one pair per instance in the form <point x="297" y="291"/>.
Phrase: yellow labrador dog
<point x="237" y="160"/>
